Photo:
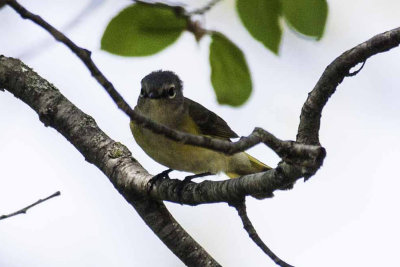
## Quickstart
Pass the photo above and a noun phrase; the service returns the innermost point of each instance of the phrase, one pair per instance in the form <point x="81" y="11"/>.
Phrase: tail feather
<point x="255" y="166"/>
<point x="258" y="165"/>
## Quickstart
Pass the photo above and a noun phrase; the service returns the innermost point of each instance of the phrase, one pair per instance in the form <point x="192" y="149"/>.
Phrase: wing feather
<point x="208" y="122"/>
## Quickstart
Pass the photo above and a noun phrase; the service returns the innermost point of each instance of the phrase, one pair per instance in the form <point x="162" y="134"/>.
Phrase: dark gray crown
<point x="157" y="79"/>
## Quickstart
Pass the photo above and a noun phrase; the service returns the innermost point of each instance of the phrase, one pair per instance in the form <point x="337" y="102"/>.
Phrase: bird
<point x="161" y="100"/>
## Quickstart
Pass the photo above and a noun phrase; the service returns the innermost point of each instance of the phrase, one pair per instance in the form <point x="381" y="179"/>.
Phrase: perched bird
<point x="161" y="100"/>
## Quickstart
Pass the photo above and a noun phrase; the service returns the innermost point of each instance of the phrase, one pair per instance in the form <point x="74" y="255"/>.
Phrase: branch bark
<point x="111" y="157"/>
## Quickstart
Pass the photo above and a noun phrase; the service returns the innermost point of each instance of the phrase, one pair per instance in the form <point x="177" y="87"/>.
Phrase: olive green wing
<point x="208" y="122"/>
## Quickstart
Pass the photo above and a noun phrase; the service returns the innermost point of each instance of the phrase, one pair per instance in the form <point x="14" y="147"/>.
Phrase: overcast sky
<point x="346" y="215"/>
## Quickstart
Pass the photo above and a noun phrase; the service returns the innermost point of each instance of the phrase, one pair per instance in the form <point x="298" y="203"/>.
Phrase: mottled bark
<point x="111" y="157"/>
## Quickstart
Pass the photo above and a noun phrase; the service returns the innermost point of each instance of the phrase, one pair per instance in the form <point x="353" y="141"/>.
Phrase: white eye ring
<point x="171" y="92"/>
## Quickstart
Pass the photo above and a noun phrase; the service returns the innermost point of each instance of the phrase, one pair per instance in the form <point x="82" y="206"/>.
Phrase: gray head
<point x="161" y="85"/>
<point x="161" y="98"/>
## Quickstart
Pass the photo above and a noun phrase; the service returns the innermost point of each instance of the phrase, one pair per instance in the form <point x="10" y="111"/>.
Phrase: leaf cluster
<point x="144" y="29"/>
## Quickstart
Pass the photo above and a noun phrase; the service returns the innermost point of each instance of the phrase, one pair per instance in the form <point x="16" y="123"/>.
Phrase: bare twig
<point x="163" y="3"/>
<point x="240" y="206"/>
<point x="42" y="46"/>
<point x="199" y="11"/>
<point x="204" y="9"/>
<point x="288" y="150"/>
<point x="24" y="210"/>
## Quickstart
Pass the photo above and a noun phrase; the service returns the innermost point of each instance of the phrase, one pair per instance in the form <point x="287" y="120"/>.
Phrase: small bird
<point x="161" y="100"/>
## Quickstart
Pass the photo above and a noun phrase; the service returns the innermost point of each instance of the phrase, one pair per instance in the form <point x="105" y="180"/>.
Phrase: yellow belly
<point x="179" y="156"/>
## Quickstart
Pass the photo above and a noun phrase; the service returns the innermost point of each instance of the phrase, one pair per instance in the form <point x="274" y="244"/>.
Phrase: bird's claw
<point x="161" y="176"/>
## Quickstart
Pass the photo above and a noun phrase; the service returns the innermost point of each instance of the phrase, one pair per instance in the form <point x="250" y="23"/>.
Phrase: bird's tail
<point x="254" y="167"/>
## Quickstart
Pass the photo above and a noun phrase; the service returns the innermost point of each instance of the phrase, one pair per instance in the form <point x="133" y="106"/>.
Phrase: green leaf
<point x="306" y="16"/>
<point x="261" y="19"/>
<point x="142" y="30"/>
<point x="230" y="75"/>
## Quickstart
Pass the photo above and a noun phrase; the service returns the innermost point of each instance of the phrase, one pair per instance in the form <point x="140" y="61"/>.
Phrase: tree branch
<point x="204" y="9"/>
<point x="24" y="210"/>
<point x="111" y="157"/>
<point x="310" y="118"/>
<point x="260" y="185"/>
<point x="310" y="155"/>
<point x="240" y="206"/>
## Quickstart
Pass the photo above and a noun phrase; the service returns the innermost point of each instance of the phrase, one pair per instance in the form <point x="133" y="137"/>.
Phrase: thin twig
<point x="248" y="226"/>
<point x="164" y="3"/>
<point x="24" y="210"/>
<point x="286" y="149"/>
<point x="204" y="9"/>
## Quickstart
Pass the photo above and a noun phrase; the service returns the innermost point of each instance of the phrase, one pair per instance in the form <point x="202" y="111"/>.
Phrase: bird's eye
<point x="142" y="93"/>
<point x="171" y="92"/>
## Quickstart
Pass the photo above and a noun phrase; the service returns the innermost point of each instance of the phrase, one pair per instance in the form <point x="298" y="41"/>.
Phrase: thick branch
<point x="260" y="185"/>
<point x="112" y="158"/>
<point x="24" y="210"/>
<point x="310" y="118"/>
<point x="310" y="155"/>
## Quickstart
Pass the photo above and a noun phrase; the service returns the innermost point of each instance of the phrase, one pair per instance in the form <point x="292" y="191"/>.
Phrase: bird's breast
<point x="176" y="155"/>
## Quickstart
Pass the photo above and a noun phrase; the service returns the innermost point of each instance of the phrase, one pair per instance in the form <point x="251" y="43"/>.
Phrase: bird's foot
<point x="187" y="180"/>
<point x="161" y="176"/>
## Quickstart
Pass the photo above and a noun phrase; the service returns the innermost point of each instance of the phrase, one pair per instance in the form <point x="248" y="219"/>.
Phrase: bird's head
<point x="161" y="97"/>
<point x="161" y="85"/>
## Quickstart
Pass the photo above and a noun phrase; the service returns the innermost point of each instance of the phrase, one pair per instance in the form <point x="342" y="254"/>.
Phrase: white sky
<point x="345" y="215"/>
